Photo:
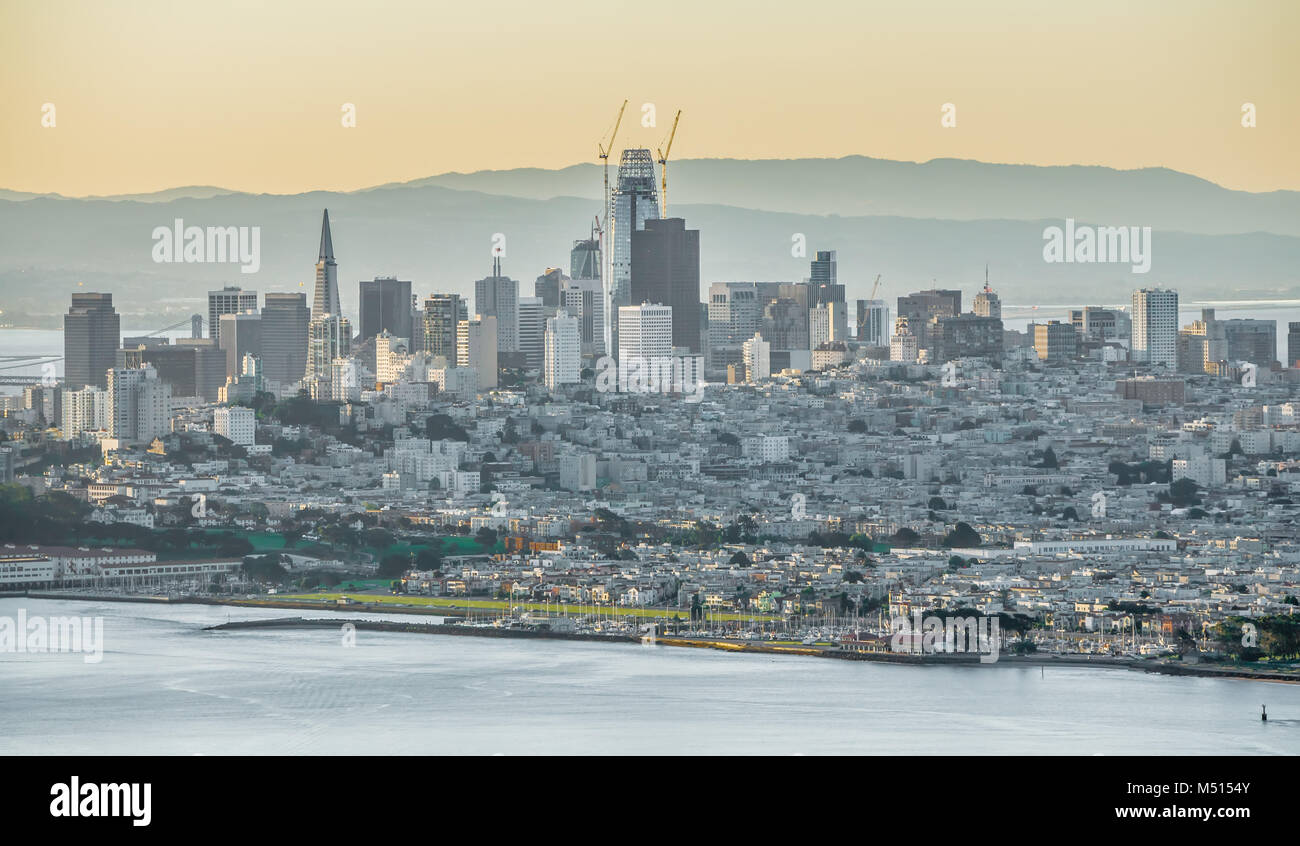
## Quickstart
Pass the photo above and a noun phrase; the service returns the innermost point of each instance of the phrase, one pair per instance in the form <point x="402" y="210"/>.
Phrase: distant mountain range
<point x="916" y="224"/>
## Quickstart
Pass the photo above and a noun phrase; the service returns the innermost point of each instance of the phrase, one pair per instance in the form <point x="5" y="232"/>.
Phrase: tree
<point x="962" y="536"/>
<point x="904" y="537"/>
<point x="1049" y="459"/>
<point x="857" y="427"/>
<point x="937" y="503"/>
<point x="1183" y="493"/>
<point x="740" y="559"/>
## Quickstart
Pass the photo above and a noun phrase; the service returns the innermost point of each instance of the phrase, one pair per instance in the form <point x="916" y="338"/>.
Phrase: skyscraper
<point x="442" y="312"/>
<point x="532" y="330"/>
<point x="286" y="324"/>
<point x="583" y="299"/>
<point x="584" y="259"/>
<point x="328" y="337"/>
<point x="635" y="200"/>
<point x="824" y="279"/>
<point x="1155" y="326"/>
<point x="562" y="351"/>
<point x="666" y="270"/>
<point x="385" y="304"/>
<point x="645" y="332"/>
<point x="1293" y="345"/>
<point x="873" y="322"/>
<point x="139" y="404"/>
<point x="92" y="331"/>
<point x="498" y="296"/>
<point x="476" y="348"/>
<point x="326" y="298"/>
<point x="735" y="314"/>
<point x="241" y="334"/>
<point x="229" y="300"/>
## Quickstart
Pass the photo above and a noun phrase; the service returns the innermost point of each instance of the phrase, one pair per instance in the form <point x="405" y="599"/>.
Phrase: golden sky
<point x="247" y="94"/>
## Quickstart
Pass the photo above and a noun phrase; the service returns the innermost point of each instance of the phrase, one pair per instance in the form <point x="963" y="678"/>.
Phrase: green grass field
<point x="501" y="605"/>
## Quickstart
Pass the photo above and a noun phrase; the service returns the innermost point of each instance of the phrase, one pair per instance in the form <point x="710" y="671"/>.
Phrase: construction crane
<point x="604" y="148"/>
<point x="663" y="166"/>
<point x="876" y="286"/>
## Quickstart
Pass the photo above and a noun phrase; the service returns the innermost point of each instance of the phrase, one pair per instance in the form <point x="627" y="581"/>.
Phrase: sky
<point x="154" y="94"/>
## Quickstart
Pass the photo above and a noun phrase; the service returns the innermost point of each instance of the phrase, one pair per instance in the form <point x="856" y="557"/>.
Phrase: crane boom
<point x="876" y="286"/>
<point x="603" y="149"/>
<point x="663" y="166"/>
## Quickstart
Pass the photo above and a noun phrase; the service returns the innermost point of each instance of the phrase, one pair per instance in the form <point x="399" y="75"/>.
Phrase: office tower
<point x="229" y="300"/>
<point x="1054" y="341"/>
<point x="785" y="324"/>
<point x="562" y="351"/>
<point x="286" y="326"/>
<point x="1251" y="340"/>
<point x="532" y="330"/>
<point x="666" y="270"/>
<point x="904" y="346"/>
<point x="547" y="287"/>
<point x="987" y="303"/>
<point x="735" y="314"/>
<point x="498" y="296"/>
<point x="385" y="305"/>
<point x="584" y="300"/>
<point x="1097" y="325"/>
<point x="235" y="423"/>
<point x="84" y="410"/>
<point x="345" y="379"/>
<point x="823" y="283"/>
<point x="328" y="337"/>
<point x="139" y="405"/>
<point x="873" y="322"/>
<point x="1155" y="326"/>
<point x="442" y="312"/>
<point x="196" y="326"/>
<point x="392" y="355"/>
<point x="920" y="307"/>
<point x="827" y="323"/>
<point x="1293" y="345"/>
<point x="584" y="259"/>
<point x="635" y="200"/>
<point x="644" y="332"/>
<point x="326" y="298"/>
<point x="241" y="334"/>
<point x="968" y="336"/>
<point x="476" y="348"/>
<point x="757" y="357"/>
<point x="91" y="333"/>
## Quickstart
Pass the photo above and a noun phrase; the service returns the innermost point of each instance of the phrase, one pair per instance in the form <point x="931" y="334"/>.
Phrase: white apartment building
<point x="235" y="422"/>
<point x="562" y="353"/>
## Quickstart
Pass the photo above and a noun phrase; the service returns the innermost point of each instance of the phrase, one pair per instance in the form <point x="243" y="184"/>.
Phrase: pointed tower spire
<point x="326" y="243"/>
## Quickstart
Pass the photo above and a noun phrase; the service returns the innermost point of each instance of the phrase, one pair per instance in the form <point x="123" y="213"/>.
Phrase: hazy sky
<point x="247" y="94"/>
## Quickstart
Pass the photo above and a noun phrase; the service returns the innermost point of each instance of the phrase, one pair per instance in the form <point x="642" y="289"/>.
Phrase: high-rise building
<point x="584" y="259"/>
<point x="785" y="324"/>
<point x="1097" y="325"/>
<point x="236" y="423"/>
<point x="286" y="326"/>
<point x="823" y="281"/>
<point x="904" y="346"/>
<point x="562" y="351"/>
<point x="442" y="313"/>
<point x="735" y="315"/>
<point x="666" y="270"/>
<point x="967" y="336"/>
<point x="532" y="329"/>
<point x="139" y="405"/>
<point x="326" y="298"/>
<point x="392" y="355"/>
<point x="827" y="323"/>
<point x="476" y="348"/>
<point x="645" y="332"/>
<point x="987" y="303"/>
<point x="1155" y="326"/>
<point x="921" y="306"/>
<point x="498" y="296"/>
<point x="241" y="334"/>
<point x="84" y="410"/>
<point x="547" y="287"/>
<point x="1054" y="341"/>
<point x="385" y="305"/>
<point x="1293" y="345"/>
<point x="229" y="300"/>
<point x="757" y="357"/>
<point x="328" y="337"/>
<point x="584" y="300"/>
<point x="635" y="200"/>
<point x="92" y="331"/>
<point x="873" y="322"/>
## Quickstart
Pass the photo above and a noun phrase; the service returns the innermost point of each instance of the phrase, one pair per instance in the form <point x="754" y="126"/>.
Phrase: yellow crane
<point x="876" y="286"/>
<point x="663" y="166"/>
<point x="604" y="148"/>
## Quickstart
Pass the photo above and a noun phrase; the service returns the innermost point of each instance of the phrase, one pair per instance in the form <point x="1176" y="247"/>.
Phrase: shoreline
<point x="1157" y="666"/>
